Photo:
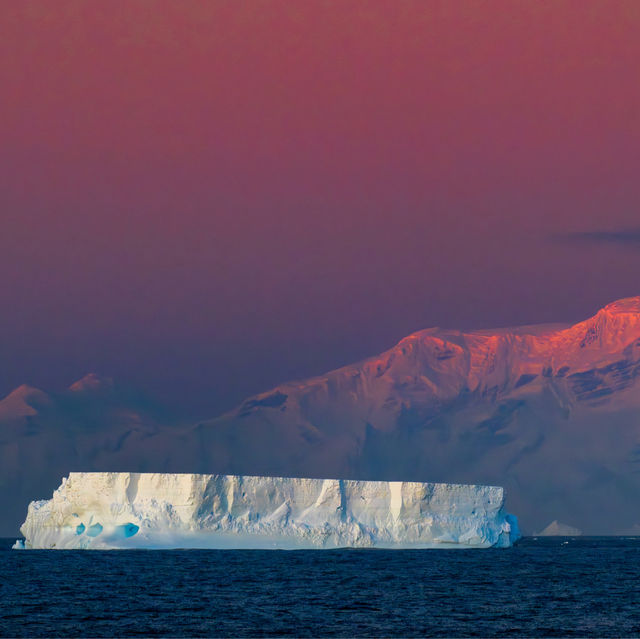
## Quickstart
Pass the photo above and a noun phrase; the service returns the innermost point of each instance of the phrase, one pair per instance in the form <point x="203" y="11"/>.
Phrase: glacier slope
<point x="154" y="510"/>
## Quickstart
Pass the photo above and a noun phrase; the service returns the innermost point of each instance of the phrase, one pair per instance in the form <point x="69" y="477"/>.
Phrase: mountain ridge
<point x="539" y="356"/>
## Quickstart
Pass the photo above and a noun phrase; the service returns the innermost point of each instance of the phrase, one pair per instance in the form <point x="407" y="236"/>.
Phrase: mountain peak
<point x="92" y="382"/>
<point x="22" y="401"/>
<point x="612" y="327"/>
<point x="625" y="305"/>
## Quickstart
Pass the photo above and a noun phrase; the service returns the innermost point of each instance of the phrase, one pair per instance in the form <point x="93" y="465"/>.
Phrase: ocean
<point x="556" y="587"/>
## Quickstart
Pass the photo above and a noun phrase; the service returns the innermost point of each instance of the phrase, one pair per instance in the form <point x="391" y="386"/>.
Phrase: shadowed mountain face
<point x="92" y="425"/>
<point x="550" y="412"/>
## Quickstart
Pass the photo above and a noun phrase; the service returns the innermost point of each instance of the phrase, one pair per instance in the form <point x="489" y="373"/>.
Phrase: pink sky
<point x="205" y="199"/>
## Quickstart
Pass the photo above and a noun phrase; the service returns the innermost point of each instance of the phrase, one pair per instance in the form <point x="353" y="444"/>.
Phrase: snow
<point x="161" y="510"/>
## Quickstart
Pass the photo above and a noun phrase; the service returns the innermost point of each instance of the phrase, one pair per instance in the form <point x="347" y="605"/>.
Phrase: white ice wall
<point x="123" y="510"/>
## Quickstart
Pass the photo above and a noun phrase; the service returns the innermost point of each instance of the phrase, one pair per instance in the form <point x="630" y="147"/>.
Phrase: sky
<point x="203" y="200"/>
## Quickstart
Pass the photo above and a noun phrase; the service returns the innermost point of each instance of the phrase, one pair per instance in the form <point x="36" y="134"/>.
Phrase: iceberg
<point x="107" y="510"/>
<point x="558" y="529"/>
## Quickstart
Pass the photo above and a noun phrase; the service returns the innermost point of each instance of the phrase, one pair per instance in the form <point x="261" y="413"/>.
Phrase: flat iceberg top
<point x="162" y="510"/>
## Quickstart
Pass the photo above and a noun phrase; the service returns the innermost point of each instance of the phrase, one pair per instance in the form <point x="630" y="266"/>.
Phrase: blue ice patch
<point x="94" y="530"/>
<point x="80" y="529"/>
<point x="127" y="530"/>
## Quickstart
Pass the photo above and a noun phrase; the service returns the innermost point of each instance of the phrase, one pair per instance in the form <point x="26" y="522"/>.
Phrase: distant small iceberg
<point x="558" y="529"/>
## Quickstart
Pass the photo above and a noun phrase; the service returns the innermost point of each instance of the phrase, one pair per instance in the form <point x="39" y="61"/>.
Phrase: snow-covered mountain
<point x="550" y="412"/>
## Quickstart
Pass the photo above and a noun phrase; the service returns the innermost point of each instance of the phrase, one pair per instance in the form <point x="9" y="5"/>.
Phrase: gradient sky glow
<point x="204" y="199"/>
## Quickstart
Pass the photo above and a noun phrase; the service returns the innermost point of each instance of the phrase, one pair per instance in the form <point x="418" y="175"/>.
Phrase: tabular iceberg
<point x="158" y="510"/>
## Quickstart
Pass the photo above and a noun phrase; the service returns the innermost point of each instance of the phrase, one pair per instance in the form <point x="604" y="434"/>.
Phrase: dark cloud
<point x="629" y="237"/>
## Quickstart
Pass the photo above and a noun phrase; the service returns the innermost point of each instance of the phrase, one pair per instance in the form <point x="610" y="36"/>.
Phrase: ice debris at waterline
<point x="159" y="510"/>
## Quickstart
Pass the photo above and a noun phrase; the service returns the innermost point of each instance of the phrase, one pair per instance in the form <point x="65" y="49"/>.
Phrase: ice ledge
<point x="157" y="510"/>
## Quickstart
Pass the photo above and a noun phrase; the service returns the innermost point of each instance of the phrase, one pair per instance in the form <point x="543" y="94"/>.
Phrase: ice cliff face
<point x="149" y="510"/>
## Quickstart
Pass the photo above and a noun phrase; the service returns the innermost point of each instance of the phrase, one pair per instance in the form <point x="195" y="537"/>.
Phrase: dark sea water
<point x="546" y="587"/>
